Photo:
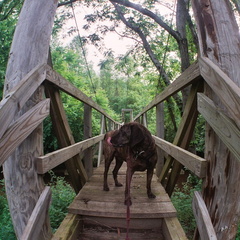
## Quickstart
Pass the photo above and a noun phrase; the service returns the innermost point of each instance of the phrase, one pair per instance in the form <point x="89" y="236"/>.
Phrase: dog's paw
<point x="118" y="184"/>
<point x="151" y="195"/>
<point x="105" y="188"/>
<point x="128" y="202"/>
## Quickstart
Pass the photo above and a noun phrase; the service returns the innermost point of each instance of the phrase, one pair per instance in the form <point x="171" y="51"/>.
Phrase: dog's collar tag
<point x="137" y="154"/>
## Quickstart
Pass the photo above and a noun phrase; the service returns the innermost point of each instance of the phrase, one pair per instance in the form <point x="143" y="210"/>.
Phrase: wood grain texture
<point x="29" y="49"/>
<point x="172" y="229"/>
<point x="17" y="97"/>
<point x="69" y="228"/>
<point x="38" y="216"/>
<point x="51" y="160"/>
<point x="223" y="86"/>
<point x="203" y="219"/>
<point x="93" y="201"/>
<point x="22" y="128"/>
<point x="194" y="163"/>
<point x="224" y="126"/>
<point x="218" y="35"/>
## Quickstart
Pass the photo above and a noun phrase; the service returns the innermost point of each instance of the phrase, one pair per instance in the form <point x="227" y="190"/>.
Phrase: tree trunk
<point x="29" y="49"/>
<point x="219" y="41"/>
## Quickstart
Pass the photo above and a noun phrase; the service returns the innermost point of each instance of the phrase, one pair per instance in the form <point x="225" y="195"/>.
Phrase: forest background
<point x="162" y="44"/>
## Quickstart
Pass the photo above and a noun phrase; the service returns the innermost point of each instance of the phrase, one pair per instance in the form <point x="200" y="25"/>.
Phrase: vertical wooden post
<point x="87" y="159"/>
<point x="100" y="151"/>
<point x="219" y="41"/>
<point x="29" y="49"/>
<point x="160" y="133"/>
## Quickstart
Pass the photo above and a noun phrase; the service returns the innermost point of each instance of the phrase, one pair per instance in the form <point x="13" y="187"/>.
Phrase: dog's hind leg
<point x="118" y="165"/>
<point x="149" y="180"/>
<point x="108" y="161"/>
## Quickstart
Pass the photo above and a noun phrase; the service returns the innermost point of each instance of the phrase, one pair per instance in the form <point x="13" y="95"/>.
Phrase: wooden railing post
<point x="100" y="151"/>
<point x="88" y="153"/>
<point x="160" y="133"/>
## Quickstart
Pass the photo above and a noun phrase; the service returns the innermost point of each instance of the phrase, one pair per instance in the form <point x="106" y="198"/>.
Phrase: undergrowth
<point x="62" y="196"/>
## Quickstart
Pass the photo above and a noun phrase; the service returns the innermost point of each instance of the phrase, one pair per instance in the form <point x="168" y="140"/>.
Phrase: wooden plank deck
<point x="108" y="209"/>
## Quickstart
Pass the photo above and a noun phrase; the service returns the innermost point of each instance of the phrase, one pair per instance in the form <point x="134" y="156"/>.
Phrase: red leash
<point x="128" y="221"/>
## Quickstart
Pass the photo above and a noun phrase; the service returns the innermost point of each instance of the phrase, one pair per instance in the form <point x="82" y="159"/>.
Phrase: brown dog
<point x="134" y="144"/>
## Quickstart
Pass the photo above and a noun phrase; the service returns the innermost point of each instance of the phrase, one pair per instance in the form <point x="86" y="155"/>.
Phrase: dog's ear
<point x="136" y="135"/>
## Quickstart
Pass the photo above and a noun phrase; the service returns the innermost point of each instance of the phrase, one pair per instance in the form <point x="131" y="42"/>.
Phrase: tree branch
<point x="150" y="14"/>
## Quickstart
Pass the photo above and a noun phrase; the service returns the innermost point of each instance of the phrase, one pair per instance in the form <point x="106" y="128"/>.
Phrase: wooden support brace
<point x="69" y="228"/>
<point x="224" y="127"/>
<point x="22" y="128"/>
<point x="17" y="97"/>
<point x="172" y="229"/>
<point x="183" y="135"/>
<point x="38" y="216"/>
<point x="63" y="132"/>
<point x="223" y="86"/>
<point x="203" y="219"/>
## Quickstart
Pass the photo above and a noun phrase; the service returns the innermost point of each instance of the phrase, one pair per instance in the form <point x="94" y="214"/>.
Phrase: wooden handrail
<point x="67" y="87"/>
<point x="51" y="160"/>
<point x="189" y="76"/>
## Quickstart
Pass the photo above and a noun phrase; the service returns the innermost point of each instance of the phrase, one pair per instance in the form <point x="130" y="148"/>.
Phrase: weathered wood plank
<point x="69" y="228"/>
<point x="225" y="128"/>
<point x="17" y="97"/>
<point x="223" y="86"/>
<point x="38" y="216"/>
<point x="62" y="130"/>
<point x="172" y="229"/>
<point x="203" y="219"/>
<point x="21" y="129"/>
<point x="93" y="201"/>
<point x="87" y="133"/>
<point x="183" y="136"/>
<point x="218" y="35"/>
<point x="51" y="160"/>
<point x="194" y="163"/>
<point x="66" y="86"/>
<point x="29" y="49"/>
<point x="186" y="78"/>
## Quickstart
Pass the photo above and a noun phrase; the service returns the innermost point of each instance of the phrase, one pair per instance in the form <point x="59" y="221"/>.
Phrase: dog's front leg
<point x="118" y="165"/>
<point x="149" y="180"/>
<point x="129" y="175"/>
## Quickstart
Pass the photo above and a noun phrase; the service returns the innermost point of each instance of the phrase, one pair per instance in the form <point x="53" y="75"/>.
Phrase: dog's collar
<point x="137" y="154"/>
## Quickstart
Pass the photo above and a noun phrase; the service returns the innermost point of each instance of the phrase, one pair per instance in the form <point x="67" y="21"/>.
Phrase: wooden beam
<point x="188" y="119"/>
<point x="87" y="132"/>
<point x="189" y="76"/>
<point x="63" y="132"/>
<point x="194" y="163"/>
<point x="204" y="223"/>
<point x="100" y="148"/>
<point x="51" y="160"/>
<point x="223" y="86"/>
<point x="22" y="128"/>
<point x="29" y="49"/>
<point x="172" y="229"/>
<point x="66" y="86"/>
<point x="69" y="228"/>
<point x="224" y="127"/>
<point x="17" y="97"/>
<point x="38" y="216"/>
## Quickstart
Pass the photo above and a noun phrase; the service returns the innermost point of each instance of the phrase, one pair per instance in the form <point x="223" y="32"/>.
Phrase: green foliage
<point x="6" y="227"/>
<point x="62" y="196"/>
<point x="182" y="201"/>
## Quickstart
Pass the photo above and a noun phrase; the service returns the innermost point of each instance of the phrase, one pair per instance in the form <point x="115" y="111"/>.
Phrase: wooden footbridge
<point x="32" y="92"/>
